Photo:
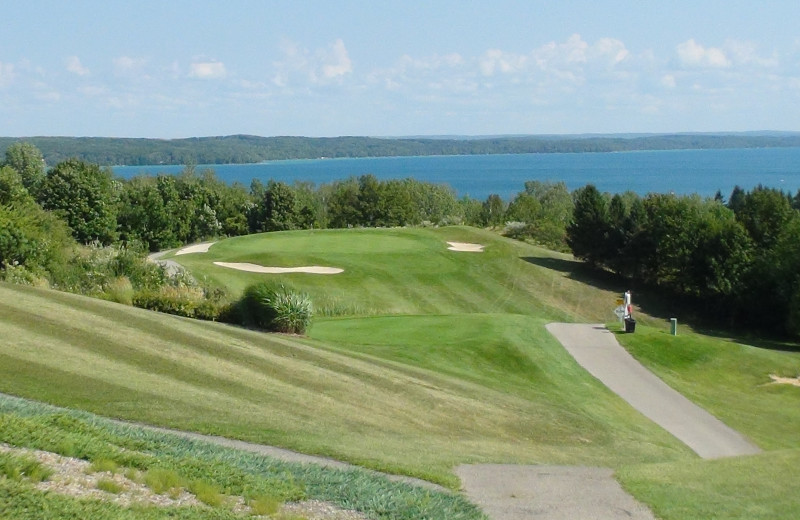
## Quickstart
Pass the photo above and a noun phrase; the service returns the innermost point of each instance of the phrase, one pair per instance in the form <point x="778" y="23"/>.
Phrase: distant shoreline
<point x="246" y="149"/>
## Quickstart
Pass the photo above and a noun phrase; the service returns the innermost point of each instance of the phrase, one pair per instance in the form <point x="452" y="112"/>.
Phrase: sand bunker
<point x="794" y="381"/>
<point x="465" y="247"/>
<point x="255" y="268"/>
<point x="197" y="248"/>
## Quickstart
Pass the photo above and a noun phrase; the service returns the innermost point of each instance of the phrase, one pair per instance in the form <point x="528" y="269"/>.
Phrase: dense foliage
<point x="739" y="261"/>
<point x="240" y="149"/>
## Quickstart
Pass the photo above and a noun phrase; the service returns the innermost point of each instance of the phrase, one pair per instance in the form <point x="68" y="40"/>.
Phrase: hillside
<point x="241" y="149"/>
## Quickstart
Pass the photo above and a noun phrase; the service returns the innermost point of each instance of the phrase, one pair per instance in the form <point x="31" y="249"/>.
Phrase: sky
<point x="171" y="69"/>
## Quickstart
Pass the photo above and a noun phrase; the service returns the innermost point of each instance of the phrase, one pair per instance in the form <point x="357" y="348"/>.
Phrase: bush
<point x="275" y="306"/>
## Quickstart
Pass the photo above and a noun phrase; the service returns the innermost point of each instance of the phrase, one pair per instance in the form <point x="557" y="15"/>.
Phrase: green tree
<point x="28" y="161"/>
<point x="435" y="203"/>
<point x="343" y="204"/>
<point x="85" y="196"/>
<point x="472" y="210"/>
<point x="279" y="207"/>
<point x="11" y="187"/>
<point x="143" y="216"/>
<point x="587" y="233"/>
<point x="369" y="195"/>
<point x="764" y="213"/>
<point x="494" y="210"/>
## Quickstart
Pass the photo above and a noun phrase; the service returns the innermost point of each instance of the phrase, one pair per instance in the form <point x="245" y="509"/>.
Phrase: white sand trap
<point x="255" y="268"/>
<point x="197" y="248"/>
<point x="794" y="381"/>
<point x="465" y="247"/>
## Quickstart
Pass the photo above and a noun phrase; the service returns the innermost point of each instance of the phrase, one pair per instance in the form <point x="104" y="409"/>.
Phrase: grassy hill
<point x="422" y="358"/>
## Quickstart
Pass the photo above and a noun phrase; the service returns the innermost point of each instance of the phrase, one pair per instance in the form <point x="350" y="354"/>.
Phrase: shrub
<point x="275" y="306"/>
<point x="181" y="301"/>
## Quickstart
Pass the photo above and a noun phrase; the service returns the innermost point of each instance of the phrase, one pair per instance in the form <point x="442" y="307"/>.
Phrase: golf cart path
<point x="511" y="492"/>
<point x="596" y="349"/>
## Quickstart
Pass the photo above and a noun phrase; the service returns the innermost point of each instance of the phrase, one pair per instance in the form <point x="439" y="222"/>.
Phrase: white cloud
<point x="207" y="70"/>
<point x="572" y="51"/>
<point x="319" y="67"/>
<point x="668" y="81"/>
<point x="495" y="60"/>
<point x="75" y="66"/>
<point x="609" y="50"/>
<point x="126" y="66"/>
<point x="692" y="54"/>
<point x="746" y="53"/>
<point x="336" y="61"/>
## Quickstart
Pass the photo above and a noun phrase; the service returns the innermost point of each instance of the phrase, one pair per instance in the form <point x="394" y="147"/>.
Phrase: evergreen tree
<point x="587" y="233"/>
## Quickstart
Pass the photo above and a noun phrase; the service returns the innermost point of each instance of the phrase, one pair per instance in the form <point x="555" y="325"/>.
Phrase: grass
<point x="411" y="271"/>
<point x="161" y="480"/>
<point x="729" y="379"/>
<point x="171" y="463"/>
<point x="318" y="397"/>
<point x="18" y="467"/>
<point x="109" y="486"/>
<point x="101" y="464"/>
<point x="759" y="487"/>
<point x="421" y="359"/>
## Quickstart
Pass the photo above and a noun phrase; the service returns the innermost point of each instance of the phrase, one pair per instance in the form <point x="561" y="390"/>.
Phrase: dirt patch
<point x="465" y="247"/>
<point x="197" y="248"/>
<point x="778" y="380"/>
<point x="255" y="268"/>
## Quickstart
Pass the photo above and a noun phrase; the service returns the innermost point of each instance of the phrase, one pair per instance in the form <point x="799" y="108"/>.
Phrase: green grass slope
<point x="420" y="358"/>
<point x="317" y="397"/>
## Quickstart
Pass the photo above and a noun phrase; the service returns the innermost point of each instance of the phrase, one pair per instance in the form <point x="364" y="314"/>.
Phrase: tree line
<point x="242" y="149"/>
<point x="738" y="261"/>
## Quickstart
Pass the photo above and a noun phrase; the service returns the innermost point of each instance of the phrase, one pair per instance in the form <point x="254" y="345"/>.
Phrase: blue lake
<point x="679" y="171"/>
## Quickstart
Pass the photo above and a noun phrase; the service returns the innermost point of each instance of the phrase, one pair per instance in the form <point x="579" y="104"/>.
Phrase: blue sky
<point x="391" y="68"/>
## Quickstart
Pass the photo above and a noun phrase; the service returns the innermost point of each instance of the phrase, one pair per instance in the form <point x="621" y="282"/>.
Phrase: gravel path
<point x="596" y="349"/>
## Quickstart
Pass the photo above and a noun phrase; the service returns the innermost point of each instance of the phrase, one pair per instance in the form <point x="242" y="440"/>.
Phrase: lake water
<point x="679" y="171"/>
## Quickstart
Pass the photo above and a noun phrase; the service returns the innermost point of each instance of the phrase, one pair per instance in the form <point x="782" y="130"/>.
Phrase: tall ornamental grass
<point x="276" y="306"/>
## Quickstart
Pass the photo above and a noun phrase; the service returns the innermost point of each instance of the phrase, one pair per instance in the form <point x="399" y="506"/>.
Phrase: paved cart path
<point x="596" y="349"/>
<point x="508" y="492"/>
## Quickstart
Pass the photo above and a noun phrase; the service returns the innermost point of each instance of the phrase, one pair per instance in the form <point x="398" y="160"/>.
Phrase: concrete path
<point x="596" y="349"/>
<point x="507" y="492"/>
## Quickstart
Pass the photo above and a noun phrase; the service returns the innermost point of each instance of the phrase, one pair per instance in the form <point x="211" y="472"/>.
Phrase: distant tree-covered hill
<point x="240" y="149"/>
